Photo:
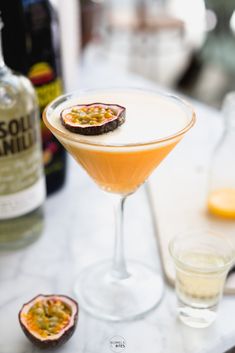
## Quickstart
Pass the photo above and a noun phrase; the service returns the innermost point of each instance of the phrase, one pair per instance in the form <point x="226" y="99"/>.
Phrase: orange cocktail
<point x="119" y="161"/>
<point x="122" y="171"/>
<point x="122" y="160"/>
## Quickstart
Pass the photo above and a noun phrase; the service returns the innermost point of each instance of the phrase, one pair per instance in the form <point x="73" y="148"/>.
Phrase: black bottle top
<point x="14" y="46"/>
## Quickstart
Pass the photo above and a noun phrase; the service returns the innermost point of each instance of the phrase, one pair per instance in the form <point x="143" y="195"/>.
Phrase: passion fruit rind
<point x="93" y="119"/>
<point x="56" y="340"/>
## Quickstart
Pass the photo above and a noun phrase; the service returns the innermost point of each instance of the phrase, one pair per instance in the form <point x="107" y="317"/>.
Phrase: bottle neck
<point x="2" y="63"/>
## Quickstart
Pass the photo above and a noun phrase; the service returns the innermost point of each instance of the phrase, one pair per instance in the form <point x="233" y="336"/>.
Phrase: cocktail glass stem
<point x="119" y="269"/>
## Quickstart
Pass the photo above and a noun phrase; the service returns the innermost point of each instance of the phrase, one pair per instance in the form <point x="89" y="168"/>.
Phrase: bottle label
<point x="22" y="186"/>
<point x="47" y="85"/>
<point x="47" y="92"/>
<point x="22" y="202"/>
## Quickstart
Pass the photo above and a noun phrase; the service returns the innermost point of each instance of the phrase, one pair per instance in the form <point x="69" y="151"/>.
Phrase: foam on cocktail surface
<point x="149" y="117"/>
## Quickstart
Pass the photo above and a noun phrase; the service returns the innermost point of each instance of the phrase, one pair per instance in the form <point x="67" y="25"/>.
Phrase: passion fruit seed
<point x="93" y="119"/>
<point x="92" y="115"/>
<point x="48" y="317"/>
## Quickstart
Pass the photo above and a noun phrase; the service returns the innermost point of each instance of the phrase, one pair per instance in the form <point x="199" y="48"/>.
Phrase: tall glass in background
<point x="221" y="188"/>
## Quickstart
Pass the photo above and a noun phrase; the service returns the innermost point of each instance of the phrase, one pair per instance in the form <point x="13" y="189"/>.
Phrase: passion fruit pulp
<point x="93" y="119"/>
<point x="49" y="320"/>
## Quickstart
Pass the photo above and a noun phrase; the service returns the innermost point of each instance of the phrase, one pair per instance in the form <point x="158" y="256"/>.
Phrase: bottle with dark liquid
<point x="45" y="74"/>
<point x="221" y="186"/>
<point x="42" y="65"/>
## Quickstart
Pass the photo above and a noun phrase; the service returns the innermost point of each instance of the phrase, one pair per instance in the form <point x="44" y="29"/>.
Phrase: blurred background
<point x="187" y="45"/>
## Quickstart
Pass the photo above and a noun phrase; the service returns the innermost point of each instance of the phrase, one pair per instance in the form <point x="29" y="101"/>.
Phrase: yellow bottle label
<point x="47" y="92"/>
<point x="45" y="82"/>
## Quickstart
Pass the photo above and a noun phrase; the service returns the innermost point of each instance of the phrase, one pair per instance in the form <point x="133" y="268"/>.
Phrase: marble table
<point x="71" y="241"/>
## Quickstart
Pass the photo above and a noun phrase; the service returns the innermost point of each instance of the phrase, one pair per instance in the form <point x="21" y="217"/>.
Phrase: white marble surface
<point x="71" y="241"/>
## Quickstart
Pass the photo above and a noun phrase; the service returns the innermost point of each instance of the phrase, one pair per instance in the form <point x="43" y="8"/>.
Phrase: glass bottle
<point x="221" y="196"/>
<point x="31" y="46"/>
<point x="22" y="182"/>
<point x="44" y="59"/>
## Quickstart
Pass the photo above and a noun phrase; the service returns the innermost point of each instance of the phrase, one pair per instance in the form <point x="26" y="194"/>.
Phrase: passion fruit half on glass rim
<point x="49" y="320"/>
<point x="93" y="119"/>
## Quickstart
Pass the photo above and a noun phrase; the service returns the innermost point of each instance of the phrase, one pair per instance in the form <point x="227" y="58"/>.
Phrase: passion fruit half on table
<point x="49" y="320"/>
<point x="93" y="119"/>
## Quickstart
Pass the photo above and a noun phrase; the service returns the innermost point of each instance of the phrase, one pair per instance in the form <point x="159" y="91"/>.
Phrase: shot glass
<point x="202" y="260"/>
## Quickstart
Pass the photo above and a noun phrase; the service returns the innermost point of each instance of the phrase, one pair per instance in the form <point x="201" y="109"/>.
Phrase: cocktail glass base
<point x="107" y="297"/>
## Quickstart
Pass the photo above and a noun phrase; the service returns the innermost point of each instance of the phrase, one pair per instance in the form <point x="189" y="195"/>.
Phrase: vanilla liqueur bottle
<point x="22" y="184"/>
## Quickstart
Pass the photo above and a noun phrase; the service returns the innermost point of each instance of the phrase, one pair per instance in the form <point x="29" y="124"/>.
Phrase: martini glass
<point x="119" y="162"/>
